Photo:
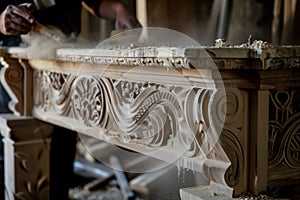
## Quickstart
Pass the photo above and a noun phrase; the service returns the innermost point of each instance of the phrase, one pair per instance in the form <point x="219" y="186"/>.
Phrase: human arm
<point x="114" y="10"/>
<point x="14" y="20"/>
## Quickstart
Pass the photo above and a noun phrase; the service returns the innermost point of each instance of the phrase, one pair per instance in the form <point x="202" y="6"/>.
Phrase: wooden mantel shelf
<point x="271" y="57"/>
<point x="231" y="113"/>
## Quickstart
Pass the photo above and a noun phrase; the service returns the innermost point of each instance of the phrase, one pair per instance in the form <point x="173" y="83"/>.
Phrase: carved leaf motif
<point x="57" y="80"/>
<point x="24" y="161"/>
<point x="33" y="190"/>
<point x="42" y="183"/>
<point x="44" y="91"/>
<point x="29" y="187"/>
<point x="22" y="196"/>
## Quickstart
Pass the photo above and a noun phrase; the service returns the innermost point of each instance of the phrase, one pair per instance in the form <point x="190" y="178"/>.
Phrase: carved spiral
<point x="234" y="106"/>
<point x="14" y="74"/>
<point x="234" y="151"/>
<point x="218" y="109"/>
<point x="156" y="119"/>
<point x="205" y="114"/>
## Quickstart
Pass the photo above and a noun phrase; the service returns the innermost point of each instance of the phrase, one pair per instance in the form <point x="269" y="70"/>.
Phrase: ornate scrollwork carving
<point x="13" y="75"/>
<point x="205" y="112"/>
<point x="152" y="115"/>
<point x="148" y="108"/>
<point x="284" y="128"/>
<point x="57" y="80"/>
<point x="234" y="150"/>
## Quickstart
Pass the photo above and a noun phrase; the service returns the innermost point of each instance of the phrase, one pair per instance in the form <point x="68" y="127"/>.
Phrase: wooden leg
<point x="259" y="141"/>
<point x="26" y="157"/>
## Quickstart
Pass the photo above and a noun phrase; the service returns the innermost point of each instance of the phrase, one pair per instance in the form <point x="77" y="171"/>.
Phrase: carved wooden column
<point x="258" y="139"/>
<point x="26" y="153"/>
<point x="26" y="140"/>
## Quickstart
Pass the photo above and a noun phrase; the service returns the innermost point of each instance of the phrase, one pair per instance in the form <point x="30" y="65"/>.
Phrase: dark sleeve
<point x="5" y="3"/>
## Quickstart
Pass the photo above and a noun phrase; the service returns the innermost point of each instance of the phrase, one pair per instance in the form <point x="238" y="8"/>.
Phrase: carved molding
<point x="282" y="63"/>
<point x="262" y="57"/>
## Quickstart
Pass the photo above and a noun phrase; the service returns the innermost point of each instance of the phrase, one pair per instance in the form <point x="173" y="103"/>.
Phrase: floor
<point x="164" y="184"/>
<point x="165" y="187"/>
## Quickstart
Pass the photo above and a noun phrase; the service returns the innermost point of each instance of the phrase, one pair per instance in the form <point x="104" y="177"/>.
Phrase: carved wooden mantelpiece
<point x="228" y="112"/>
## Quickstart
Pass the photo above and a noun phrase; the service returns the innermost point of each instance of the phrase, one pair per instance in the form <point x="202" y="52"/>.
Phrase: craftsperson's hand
<point x="17" y="20"/>
<point x="124" y="19"/>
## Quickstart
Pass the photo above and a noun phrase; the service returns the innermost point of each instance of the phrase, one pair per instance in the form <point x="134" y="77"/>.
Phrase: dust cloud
<point x="39" y="46"/>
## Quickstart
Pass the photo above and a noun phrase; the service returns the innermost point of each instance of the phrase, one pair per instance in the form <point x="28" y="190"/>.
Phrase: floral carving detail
<point x="88" y="102"/>
<point x="57" y="80"/>
<point x="44" y="91"/>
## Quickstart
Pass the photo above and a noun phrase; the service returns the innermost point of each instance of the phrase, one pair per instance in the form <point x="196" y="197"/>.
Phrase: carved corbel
<point x="16" y="78"/>
<point x="234" y="139"/>
<point x="226" y="167"/>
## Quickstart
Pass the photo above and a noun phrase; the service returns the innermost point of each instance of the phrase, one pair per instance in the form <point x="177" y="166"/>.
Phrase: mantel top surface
<point x="264" y="55"/>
